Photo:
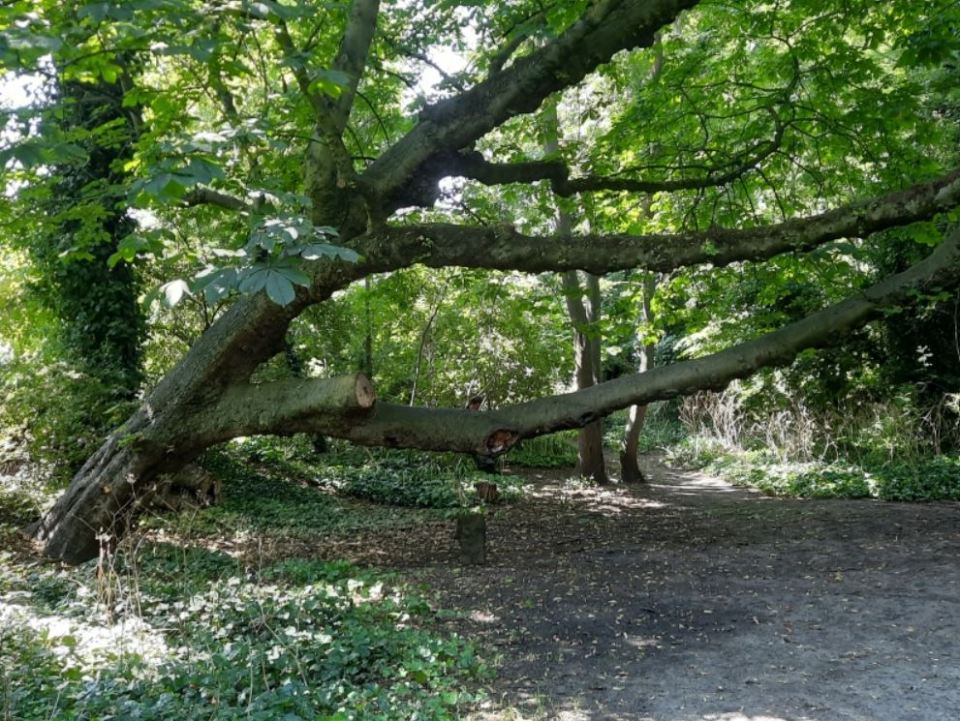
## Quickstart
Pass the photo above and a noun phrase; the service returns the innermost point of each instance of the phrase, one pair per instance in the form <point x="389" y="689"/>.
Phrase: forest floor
<point x="686" y="599"/>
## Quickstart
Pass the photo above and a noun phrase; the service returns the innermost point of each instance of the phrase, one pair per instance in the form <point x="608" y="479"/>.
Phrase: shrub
<point x="932" y="479"/>
<point x="558" y="450"/>
<point x="58" y="414"/>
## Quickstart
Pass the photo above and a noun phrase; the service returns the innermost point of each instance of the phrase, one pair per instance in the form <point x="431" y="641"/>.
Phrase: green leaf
<point x="330" y="82"/>
<point x="279" y="288"/>
<point x="26" y="41"/>
<point x="199" y="171"/>
<point x="29" y="155"/>
<point x="252" y="280"/>
<point x="171" y="182"/>
<point x="294" y="275"/>
<point x="926" y="233"/>
<point x="217" y="284"/>
<point x="315" y="251"/>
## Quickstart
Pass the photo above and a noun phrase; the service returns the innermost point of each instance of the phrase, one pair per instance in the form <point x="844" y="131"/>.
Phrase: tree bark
<point x="504" y="248"/>
<point x="168" y="431"/>
<point x="586" y="351"/>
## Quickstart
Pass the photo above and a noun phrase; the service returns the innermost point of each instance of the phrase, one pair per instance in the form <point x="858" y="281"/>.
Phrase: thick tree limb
<point x="497" y="431"/>
<point x="282" y="403"/>
<point x="606" y="27"/>
<point x="503" y="248"/>
<point x="472" y="165"/>
<point x="329" y="128"/>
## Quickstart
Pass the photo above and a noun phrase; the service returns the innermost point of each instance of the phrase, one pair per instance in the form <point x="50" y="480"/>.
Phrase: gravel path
<point x="688" y="600"/>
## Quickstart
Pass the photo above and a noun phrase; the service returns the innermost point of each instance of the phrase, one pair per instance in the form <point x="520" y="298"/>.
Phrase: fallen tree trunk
<point x="134" y="465"/>
<point x="116" y="481"/>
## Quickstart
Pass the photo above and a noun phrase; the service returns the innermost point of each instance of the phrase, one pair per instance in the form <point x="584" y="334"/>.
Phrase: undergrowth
<point x="277" y="487"/>
<point x="558" y="450"/>
<point x="407" y="478"/>
<point x="661" y="429"/>
<point x="935" y="478"/>
<point x="183" y="631"/>
<point x="295" y="640"/>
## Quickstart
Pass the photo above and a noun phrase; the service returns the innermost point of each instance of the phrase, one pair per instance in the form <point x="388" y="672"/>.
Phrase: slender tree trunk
<point x="629" y="466"/>
<point x="586" y="347"/>
<point x="424" y="337"/>
<point x="583" y="308"/>
<point x="368" y="331"/>
<point x="590" y="451"/>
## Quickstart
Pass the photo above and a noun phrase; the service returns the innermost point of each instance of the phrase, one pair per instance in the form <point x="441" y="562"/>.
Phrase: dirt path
<point x="688" y="600"/>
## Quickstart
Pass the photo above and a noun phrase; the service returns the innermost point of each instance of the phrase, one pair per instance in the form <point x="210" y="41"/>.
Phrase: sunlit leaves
<point x="51" y="149"/>
<point x="100" y="11"/>
<point x="146" y="242"/>
<point x="22" y="47"/>
<point x="330" y="82"/>
<point x="171" y="180"/>
<point x="266" y="9"/>
<point x="275" y="260"/>
<point x="277" y="280"/>
<point x="926" y="233"/>
<point x="174" y="291"/>
<point x="279" y="231"/>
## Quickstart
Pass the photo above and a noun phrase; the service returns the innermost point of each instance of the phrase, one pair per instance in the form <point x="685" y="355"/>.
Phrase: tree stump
<point x="487" y="492"/>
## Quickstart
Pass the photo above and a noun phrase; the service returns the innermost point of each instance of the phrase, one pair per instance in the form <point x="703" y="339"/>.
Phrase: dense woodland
<point x="279" y="271"/>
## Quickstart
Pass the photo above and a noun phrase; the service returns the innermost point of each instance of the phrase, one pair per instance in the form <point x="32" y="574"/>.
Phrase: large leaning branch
<point x="496" y="431"/>
<point x="504" y="248"/>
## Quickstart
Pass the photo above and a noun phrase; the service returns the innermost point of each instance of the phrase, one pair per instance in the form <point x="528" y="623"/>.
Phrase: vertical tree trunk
<point x="586" y="348"/>
<point x="629" y="467"/>
<point x="368" y="331"/>
<point x="424" y="337"/>
<point x="583" y="308"/>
